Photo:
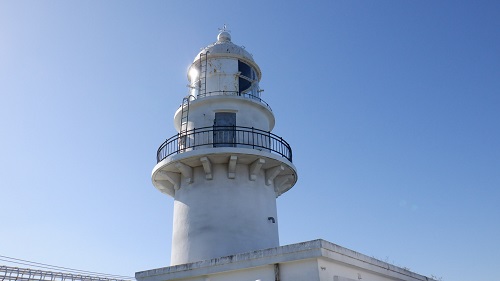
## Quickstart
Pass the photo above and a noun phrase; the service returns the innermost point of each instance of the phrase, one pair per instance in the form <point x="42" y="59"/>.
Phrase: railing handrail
<point x="233" y="93"/>
<point x="9" y="273"/>
<point x="224" y="136"/>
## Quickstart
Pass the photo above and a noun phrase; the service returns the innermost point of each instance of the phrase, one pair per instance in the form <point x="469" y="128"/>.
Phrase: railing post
<point x="179" y="142"/>
<point x="194" y="138"/>
<point x="253" y="136"/>
<point x="214" y="137"/>
<point x="281" y="146"/>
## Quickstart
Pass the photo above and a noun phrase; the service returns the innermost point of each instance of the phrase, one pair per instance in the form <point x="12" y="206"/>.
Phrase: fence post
<point x="194" y="138"/>
<point x="253" y="142"/>
<point x="281" y="146"/>
<point x="179" y="142"/>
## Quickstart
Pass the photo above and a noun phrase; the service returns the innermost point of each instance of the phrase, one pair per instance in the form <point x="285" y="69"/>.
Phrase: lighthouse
<point x="224" y="168"/>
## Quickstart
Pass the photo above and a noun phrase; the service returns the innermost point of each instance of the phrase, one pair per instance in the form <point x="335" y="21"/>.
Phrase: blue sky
<point x="392" y="109"/>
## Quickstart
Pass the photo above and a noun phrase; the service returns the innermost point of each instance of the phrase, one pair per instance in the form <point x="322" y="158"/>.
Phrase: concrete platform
<point x="306" y="261"/>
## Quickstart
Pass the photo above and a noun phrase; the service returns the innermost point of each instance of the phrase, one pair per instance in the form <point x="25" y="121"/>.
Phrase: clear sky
<point x="392" y="109"/>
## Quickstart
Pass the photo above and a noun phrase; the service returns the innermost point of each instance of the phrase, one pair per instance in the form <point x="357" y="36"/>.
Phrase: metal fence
<point x="224" y="136"/>
<point x="234" y="93"/>
<point x="8" y="273"/>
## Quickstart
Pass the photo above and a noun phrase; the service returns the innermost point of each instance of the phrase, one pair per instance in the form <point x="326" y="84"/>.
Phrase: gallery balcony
<point x="224" y="136"/>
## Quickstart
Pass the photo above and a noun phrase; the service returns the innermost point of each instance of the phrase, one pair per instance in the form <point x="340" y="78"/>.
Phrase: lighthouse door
<point x="225" y="129"/>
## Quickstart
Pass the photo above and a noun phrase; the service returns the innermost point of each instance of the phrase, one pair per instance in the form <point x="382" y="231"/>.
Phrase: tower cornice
<point x="280" y="173"/>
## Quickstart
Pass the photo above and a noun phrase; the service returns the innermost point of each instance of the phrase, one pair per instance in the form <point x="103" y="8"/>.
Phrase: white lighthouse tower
<point x="224" y="168"/>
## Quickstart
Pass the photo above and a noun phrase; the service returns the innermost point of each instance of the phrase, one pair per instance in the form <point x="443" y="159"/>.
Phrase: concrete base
<point x="308" y="261"/>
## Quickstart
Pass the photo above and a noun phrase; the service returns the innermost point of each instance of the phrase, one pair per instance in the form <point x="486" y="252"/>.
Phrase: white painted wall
<point x="299" y="270"/>
<point x="263" y="273"/>
<point x="249" y="113"/>
<point x="221" y="75"/>
<point x="316" y="260"/>
<point x="220" y="217"/>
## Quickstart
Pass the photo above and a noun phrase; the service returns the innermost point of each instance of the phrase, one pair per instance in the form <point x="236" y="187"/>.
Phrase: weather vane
<point x="224" y="29"/>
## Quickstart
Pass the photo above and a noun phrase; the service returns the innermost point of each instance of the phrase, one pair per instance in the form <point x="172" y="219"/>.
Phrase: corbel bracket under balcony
<point x="255" y="167"/>
<point x="271" y="173"/>
<point x="186" y="171"/>
<point x="231" y="167"/>
<point x="173" y="178"/>
<point x="207" y="167"/>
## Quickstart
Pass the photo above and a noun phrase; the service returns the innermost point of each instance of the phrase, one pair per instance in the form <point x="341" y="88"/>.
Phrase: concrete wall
<point x="249" y="113"/>
<point x="299" y="270"/>
<point x="220" y="217"/>
<point x="221" y="75"/>
<point x="316" y="260"/>
<point x="263" y="273"/>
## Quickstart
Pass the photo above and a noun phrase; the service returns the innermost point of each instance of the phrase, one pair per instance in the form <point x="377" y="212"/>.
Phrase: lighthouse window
<point x="247" y="76"/>
<point x="245" y="69"/>
<point x="224" y="129"/>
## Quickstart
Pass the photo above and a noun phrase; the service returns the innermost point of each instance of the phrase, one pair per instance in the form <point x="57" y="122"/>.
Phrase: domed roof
<point x="225" y="46"/>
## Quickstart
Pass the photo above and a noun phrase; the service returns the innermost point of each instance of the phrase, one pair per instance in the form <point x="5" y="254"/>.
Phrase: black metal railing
<point x="248" y="95"/>
<point x="10" y="273"/>
<point x="224" y="136"/>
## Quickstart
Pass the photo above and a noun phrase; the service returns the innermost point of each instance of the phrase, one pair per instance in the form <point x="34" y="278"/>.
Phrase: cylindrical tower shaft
<point x="219" y="217"/>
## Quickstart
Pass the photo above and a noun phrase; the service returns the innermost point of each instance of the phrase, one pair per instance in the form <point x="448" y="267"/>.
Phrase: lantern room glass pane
<point x="249" y="75"/>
